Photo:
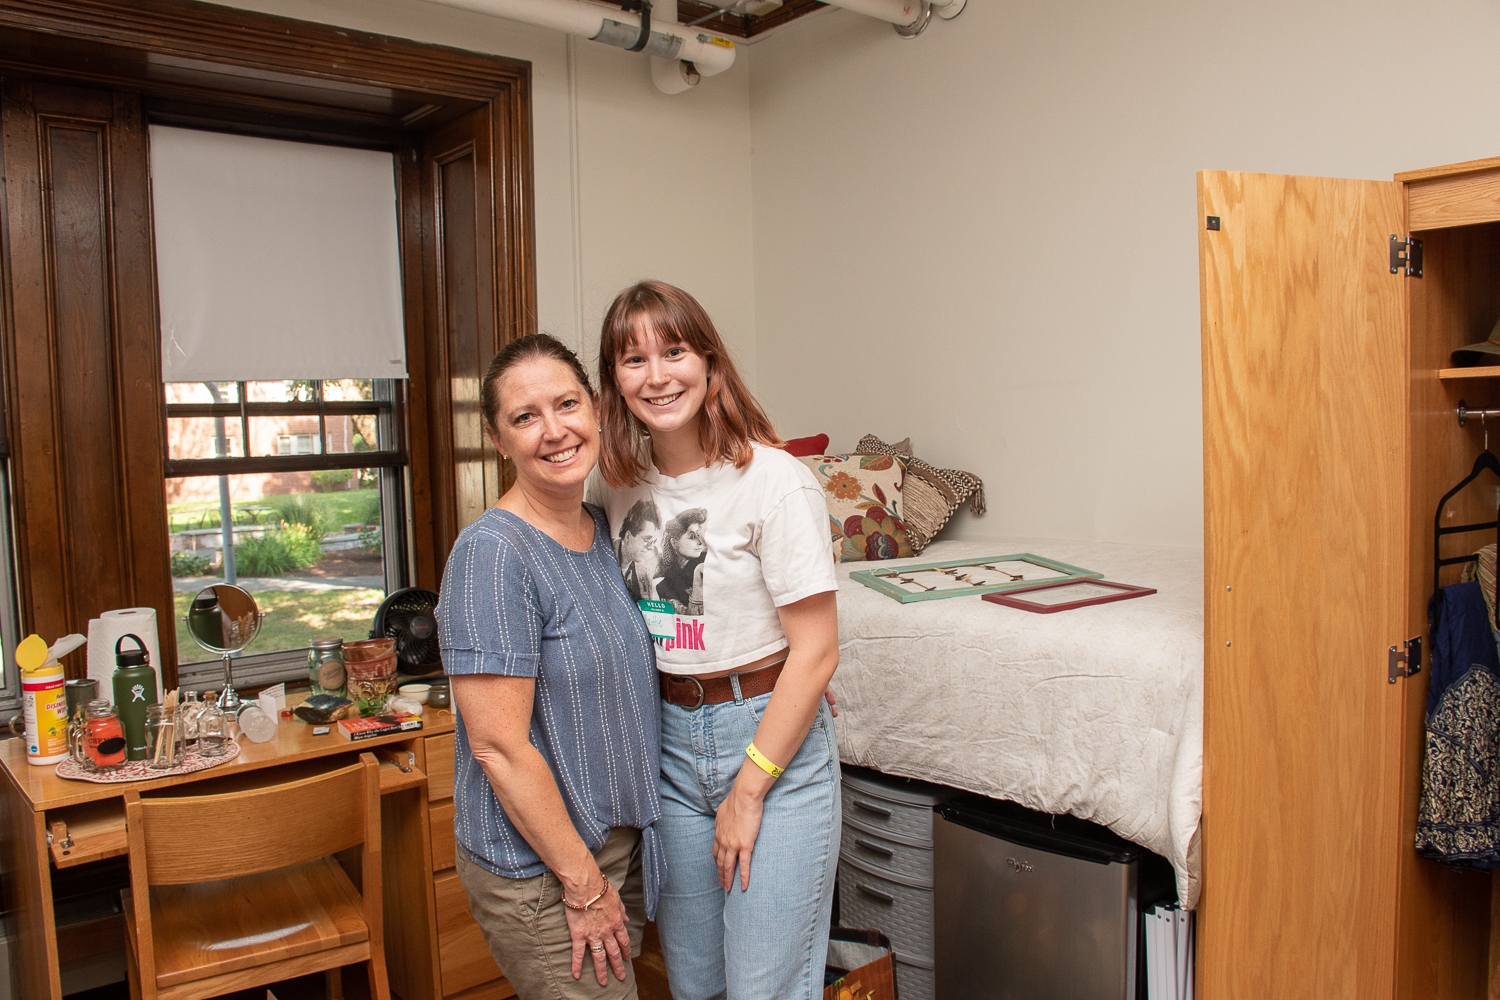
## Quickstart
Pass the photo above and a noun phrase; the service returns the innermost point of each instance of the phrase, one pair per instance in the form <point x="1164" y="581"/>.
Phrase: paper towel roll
<point x="107" y="629"/>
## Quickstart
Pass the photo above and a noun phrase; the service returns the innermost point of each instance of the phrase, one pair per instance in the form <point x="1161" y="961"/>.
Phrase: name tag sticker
<point x="660" y="618"/>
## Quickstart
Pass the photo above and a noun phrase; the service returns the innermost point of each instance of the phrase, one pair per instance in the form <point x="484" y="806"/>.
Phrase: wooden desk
<point x="433" y="947"/>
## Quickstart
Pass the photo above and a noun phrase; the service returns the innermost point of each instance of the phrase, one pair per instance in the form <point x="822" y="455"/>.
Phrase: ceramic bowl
<point x="416" y="692"/>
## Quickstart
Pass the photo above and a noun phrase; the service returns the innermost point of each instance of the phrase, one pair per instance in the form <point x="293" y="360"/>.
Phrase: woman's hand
<point x="603" y="923"/>
<point x="736" y="826"/>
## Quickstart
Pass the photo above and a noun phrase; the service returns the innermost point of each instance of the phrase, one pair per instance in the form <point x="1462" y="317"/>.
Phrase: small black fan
<point x="407" y="616"/>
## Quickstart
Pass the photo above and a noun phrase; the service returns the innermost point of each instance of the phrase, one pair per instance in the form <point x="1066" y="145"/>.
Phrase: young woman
<point x="553" y="679"/>
<point x="746" y="628"/>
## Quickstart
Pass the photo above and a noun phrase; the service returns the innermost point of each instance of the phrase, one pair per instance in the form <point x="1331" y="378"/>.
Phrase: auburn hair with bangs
<point x="731" y="418"/>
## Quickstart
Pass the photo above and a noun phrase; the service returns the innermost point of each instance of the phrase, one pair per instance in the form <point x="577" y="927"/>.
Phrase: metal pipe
<point x="671" y="76"/>
<point x="710" y="54"/>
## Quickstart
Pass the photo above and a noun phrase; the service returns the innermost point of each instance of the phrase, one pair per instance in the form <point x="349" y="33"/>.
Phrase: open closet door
<point x="1305" y="437"/>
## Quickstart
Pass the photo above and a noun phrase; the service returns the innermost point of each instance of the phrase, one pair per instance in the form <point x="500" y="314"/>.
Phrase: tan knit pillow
<point x="931" y="495"/>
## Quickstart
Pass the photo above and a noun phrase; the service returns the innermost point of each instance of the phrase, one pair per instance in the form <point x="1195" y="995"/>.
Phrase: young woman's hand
<point x="736" y="826"/>
<point x="603" y="923"/>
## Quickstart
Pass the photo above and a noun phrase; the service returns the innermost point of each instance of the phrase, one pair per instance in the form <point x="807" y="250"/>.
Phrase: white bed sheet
<point x="1097" y="712"/>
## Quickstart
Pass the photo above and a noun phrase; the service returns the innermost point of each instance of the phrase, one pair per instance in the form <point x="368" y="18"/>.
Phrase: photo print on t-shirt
<point x="637" y="549"/>
<point x="661" y="560"/>
<point x="681" y="574"/>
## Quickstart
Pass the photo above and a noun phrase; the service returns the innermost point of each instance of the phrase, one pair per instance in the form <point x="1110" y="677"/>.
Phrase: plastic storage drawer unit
<point x="885" y="869"/>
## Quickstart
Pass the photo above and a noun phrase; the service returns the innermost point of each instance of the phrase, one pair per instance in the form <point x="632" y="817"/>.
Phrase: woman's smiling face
<point x="663" y="384"/>
<point x="546" y="425"/>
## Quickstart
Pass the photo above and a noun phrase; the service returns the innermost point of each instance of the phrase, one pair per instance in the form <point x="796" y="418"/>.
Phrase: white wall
<point x="985" y="237"/>
<point x="630" y="183"/>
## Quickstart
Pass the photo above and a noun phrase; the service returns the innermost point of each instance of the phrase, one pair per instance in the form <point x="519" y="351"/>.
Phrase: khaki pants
<point x="526" y="925"/>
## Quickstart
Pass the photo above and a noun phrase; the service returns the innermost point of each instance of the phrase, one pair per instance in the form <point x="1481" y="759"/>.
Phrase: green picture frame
<point x="890" y="582"/>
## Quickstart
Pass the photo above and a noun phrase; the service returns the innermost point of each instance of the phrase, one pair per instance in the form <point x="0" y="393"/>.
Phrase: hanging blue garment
<point x="1458" y="822"/>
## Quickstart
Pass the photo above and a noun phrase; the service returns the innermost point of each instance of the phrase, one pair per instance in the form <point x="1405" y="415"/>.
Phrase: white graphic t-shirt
<point x="710" y="556"/>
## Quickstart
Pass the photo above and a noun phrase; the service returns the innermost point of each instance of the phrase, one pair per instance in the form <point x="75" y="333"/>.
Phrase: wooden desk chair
<point x="289" y="910"/>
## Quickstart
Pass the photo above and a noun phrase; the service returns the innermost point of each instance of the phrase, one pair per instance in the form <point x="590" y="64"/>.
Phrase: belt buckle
<point x="679" y="679"/>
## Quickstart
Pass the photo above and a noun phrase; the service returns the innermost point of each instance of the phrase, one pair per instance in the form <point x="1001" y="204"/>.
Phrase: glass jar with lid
<point x="325" y="666"/>
<point x="104" y="737"/>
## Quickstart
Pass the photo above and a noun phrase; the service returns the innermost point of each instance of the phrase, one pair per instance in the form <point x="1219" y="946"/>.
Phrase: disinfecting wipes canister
<point x="45" y="709"/>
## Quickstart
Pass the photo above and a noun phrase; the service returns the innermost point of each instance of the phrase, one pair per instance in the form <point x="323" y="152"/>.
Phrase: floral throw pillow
<point x="863" y="493"/>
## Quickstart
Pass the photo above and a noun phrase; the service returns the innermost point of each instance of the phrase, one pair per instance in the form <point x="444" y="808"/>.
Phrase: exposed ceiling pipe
<point x="897" y="12"/>
<point x="671" y="76"/>
<point x="909" y="17"/>
<point x="709" y="53"/>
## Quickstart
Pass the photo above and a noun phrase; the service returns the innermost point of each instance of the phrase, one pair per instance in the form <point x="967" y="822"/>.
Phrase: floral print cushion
<point x="863" y="493"/>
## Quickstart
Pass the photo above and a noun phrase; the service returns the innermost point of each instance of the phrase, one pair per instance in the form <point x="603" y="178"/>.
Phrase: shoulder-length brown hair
<point x="731" y="416"/>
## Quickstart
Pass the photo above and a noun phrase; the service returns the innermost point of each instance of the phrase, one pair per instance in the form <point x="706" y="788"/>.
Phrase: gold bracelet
<point x="585" y="906"/>
<point x="762" y="761"/>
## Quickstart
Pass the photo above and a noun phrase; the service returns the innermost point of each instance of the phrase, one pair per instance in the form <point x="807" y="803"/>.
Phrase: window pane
<point x="294" y="391"/>
<point x="348" y="435"/>
<point x="307" y="545"/>
<point x="350" y="389"/>
<point x="284" y="436"/>
<point x="198" y="437"/>
<point x="197" y="392"/>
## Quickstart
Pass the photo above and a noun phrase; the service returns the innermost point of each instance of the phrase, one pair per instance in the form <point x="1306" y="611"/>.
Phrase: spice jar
<point x="104" y="738"/>
<point x="325" y="666"/>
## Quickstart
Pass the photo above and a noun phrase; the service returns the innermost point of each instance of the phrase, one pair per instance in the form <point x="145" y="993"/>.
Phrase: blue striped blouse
<point x="517" y="603"/>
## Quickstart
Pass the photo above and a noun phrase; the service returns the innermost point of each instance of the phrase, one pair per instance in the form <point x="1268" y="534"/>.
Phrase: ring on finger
<point x="597" y="947"/>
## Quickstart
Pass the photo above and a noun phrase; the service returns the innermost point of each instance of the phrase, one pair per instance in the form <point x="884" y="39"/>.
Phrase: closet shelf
<point x="1491" y="371"/>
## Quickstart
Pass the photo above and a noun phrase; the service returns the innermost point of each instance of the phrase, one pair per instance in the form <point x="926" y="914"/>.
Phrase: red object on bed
<point x="802" y="447"/>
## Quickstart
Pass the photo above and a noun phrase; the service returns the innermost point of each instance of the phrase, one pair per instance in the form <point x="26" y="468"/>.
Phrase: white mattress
<point x="1096" y="712"/>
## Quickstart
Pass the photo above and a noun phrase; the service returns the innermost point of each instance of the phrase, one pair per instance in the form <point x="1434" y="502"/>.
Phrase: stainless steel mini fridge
<point x="1031" y="907"/>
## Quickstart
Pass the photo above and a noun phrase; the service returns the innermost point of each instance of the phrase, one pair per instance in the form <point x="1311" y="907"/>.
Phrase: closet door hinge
<point x="1406" y="255"/>
<point x="1411" y="656"/>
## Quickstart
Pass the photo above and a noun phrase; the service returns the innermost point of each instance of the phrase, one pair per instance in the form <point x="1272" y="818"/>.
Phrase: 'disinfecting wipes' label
<point x="660" y="618"/>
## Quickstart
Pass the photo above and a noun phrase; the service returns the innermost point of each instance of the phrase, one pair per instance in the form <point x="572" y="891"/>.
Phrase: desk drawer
<point x="463" y="954"/>
<point x="444" y="847"/>
<point x="440" y="767"/>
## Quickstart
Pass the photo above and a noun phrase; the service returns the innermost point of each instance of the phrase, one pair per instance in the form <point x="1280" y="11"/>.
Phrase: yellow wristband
<point x="763" y="762"/>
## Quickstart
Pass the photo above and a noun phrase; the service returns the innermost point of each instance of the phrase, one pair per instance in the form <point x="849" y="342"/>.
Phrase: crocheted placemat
<point x="137" y="770"/>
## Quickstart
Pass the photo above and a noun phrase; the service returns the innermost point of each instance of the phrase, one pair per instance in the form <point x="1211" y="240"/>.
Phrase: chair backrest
<point x="197" y="838"/>
<point x="203" y="838"/>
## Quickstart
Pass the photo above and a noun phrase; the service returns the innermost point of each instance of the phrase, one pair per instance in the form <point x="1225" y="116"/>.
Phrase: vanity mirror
<point x="224" y="619"/>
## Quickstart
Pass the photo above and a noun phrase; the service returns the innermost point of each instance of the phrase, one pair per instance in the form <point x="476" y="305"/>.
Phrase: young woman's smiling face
<point x="663" y="384"/>
<point x="546" y="424"/>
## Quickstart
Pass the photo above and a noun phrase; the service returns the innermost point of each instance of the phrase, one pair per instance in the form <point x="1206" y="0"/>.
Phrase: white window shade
<point x="275" y="260"/>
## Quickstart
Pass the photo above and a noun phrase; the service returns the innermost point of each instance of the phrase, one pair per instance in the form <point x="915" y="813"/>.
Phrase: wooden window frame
<point x="108" y="68"/>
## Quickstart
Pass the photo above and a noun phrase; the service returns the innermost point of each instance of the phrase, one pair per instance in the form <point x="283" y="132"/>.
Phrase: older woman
<point x="555" y="687"/>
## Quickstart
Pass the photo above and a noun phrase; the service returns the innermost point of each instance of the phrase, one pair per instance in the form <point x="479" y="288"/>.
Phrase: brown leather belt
<point x="690" y="692"/>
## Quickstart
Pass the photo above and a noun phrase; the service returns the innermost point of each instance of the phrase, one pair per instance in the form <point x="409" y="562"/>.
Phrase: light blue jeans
<point x="770" y="942"/>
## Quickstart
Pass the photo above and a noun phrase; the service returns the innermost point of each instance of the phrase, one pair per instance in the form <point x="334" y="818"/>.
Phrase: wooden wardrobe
<point x="1330" y="432"/>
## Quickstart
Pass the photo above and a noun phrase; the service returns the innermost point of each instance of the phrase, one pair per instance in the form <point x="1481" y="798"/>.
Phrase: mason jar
<point x="325" y="667"/>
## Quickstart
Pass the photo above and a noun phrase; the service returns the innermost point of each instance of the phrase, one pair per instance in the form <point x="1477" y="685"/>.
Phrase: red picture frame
<point x="1085" y="594"/>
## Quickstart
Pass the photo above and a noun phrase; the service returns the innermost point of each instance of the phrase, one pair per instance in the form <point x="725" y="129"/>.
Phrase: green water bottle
<point x="135" y="690"/>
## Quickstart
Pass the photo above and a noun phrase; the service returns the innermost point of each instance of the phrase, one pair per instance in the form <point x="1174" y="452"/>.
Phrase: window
<point x="277" y="264"/>
<point x="296" y="444"/>
<point x="317" y="536"/>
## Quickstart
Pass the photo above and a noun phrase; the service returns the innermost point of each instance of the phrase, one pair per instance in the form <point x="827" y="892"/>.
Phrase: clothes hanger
<point x="1486" y="461"/>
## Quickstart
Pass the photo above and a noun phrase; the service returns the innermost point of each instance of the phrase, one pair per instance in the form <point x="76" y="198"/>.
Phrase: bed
<point x="1096" y="711"/>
